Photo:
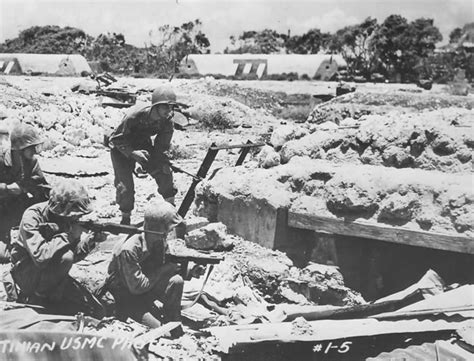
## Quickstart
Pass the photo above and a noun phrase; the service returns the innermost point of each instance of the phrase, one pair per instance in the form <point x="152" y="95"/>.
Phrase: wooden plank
<point x="386" y="233"/>
<point x="156" y="333"/>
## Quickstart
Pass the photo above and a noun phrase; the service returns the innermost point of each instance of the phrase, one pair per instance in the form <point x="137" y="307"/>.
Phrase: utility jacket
<point x="15" y="169"/>
<point x="31" y="245"/>
<point x="134" y="266"/>
<point x="135" y="130"/>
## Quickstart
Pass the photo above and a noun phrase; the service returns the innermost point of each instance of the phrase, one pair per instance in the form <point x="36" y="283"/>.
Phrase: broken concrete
<point x="436" y="140"/>
<point x="268" y="157"/>
<point x="210" y="237"/>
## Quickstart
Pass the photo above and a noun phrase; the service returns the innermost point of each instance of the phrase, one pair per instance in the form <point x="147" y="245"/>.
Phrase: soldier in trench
<point x="131" y="143"/>
<point x="22" y="182"/>
<point x="139" y="273"/>
<point x="50" y="241"/>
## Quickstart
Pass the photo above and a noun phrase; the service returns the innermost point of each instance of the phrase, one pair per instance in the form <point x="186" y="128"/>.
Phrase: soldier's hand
<point x="140" y="156"/>
<point x="14" y="188"/>
<point x="48" y="230"/>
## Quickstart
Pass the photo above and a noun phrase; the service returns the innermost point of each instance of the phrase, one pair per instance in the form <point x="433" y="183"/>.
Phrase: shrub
<point x="218" y="119"/>
<point x="295" y="112"/>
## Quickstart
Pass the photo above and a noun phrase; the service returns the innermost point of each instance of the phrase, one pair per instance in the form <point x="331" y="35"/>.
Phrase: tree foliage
<point x="48" y="39"/>
<point x="170" y="44"/>
<point x="311" y="42"/>
<point x="257" y="42"/>
<point x="401" y="46"/>
<point x="354" y="43"/>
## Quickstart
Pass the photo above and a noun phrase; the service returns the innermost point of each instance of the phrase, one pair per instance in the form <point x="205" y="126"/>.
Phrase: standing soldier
<point x="49" y="242"/>
<point x="21" y="180"/>
<point x="131" y="143"/>
<point x="139" y="274"/>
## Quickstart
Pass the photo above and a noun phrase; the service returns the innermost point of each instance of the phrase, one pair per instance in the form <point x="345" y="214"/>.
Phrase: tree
<point x="455" y="35"/>
<point x="48" y="39"/>
<point x="311" y="42"/>
<point x="402" y="46"/>
<point x="355" y="44"/>
<point x="257" y="42"/>
<point x="171" y="44"/>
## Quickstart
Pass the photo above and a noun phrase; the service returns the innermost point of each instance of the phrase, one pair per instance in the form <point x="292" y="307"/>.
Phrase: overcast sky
<point x="221" y="18"/>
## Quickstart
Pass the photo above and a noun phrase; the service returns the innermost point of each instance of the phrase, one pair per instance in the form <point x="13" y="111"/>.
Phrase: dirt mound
<point x="217" y="112"/>
<point x="411" y="198"/>
<point x="357" y="104"/>
<point x="437" y="140"/>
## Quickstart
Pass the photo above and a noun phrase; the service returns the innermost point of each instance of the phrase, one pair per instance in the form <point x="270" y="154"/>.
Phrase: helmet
<point x="69" y="198"/>
<point x="23" y="136"/>
<point x="161" y="216"/>
<point x="163" y="95"/>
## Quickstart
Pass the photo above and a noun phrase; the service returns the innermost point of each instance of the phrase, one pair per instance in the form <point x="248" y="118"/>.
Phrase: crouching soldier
<point x="130" y="143"/>
<point x="49" y="243"/>
<point x="139" y="275"/>
<point x="22" y="182"/>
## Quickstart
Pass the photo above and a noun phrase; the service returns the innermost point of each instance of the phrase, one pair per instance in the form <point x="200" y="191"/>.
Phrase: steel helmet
<point x="161" y="216"/>
<point x="23" y="136"/>
<point x="163" y="95"/>
<point x="69" y="198"/>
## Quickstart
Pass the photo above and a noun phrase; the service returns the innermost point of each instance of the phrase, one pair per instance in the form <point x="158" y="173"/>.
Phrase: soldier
<point x="22" y="182"/>
<point x="131" y="143"/>
<point x="49" y="242"/>
<point x="139" y="275"/>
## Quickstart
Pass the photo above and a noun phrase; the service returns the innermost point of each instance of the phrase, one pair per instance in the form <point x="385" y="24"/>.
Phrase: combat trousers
<point x="168" y="289"/>
<point x="124" y="184"/>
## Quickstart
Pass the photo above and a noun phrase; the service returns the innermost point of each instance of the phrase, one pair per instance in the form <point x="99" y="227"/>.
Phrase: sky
<point x="222" y="18"/>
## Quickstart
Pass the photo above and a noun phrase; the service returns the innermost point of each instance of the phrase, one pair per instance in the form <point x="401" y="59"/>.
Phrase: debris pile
<point x="358" y="104"/>
<point x="412" y="198"/>
<point x="436" y="140"/>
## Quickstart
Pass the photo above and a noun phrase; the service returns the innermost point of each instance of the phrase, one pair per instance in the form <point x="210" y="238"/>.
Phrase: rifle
<point x="190" y="256"/>
<point x="114" y="228"/>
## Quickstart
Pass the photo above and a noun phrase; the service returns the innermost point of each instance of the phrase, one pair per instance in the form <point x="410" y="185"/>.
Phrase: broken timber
<point x="446" y="242"/>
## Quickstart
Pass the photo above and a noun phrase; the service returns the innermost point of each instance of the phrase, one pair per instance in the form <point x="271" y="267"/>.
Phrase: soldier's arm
<point x="136" y="280"/>
<point x="40" y="249"/>
<point x="163" y="138"/>
<point x="120" y="137"/>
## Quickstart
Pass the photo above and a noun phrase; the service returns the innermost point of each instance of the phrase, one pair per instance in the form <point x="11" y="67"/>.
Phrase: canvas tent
<point x="317" y="66"/>
<point x="47" y="64"/>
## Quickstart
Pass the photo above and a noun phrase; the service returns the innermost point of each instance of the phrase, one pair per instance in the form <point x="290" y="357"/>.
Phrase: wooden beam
<point x="386" y="233"/>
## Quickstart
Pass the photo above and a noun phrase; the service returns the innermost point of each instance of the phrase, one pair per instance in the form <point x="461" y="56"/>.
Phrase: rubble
<point x="212" y="236"/>
<point x="284" y="133"/>
<point x="414" y="198"/>
<point x="435" y="140"/>
<point x="393" y="158"/>
<point x="268" y="157"/>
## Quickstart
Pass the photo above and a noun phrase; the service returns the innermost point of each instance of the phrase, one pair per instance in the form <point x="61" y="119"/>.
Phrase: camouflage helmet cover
<point x="23" y="136"/>
<point x="69" y="199"/>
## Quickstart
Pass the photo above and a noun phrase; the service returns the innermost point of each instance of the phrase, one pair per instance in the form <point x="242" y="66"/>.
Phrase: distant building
<point x="44" y="64"/>
<point x="315" y="66"/>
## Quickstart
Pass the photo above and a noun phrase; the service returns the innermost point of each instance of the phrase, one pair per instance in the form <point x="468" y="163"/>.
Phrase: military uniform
<point x="134" y="134"/>
<point x="27" y="173"/>
<point x="138" y="276"/>
<point x="49" y="242"/>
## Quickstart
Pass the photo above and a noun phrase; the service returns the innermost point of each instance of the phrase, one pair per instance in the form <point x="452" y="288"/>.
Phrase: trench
<point x="373" y="267"/>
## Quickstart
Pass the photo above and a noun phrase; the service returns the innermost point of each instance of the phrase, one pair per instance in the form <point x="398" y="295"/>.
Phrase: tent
<point x="46" y="64"/>
<point x="318" y="66"/>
